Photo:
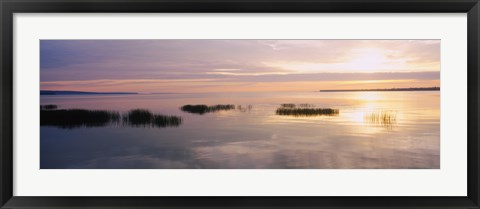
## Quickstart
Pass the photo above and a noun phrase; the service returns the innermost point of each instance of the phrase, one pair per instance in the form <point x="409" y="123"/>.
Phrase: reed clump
<point x="202" y="109"/>
<point x="288" y="105"/>
<point x="219" y="107"/>
<point x="142" y="117"/>
<point x="383" y="117"/>
<point x="48" y="107"/>
<point x="305" y="105"/>
<point x="244" y="108"/>
<point x="137" y="117"/>
<point x="198" y="109"/>
<point x="73" y="118"/>
<point x="307" y="111"/>
<point x="166" y="121"/>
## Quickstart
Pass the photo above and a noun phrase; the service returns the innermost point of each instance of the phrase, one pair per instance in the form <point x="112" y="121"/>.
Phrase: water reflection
<point x="251" y="138"/>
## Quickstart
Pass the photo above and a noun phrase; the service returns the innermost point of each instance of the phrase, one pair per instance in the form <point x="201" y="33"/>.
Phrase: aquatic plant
<point x="198" y="109"/>
<point x="307" y="111"/>
<point x="288" y="105"/>
<point x="48" y="107"/>
<point x="306" y="105"/>
<point x="138" y="117"/>
<point x="202" y="109"/>
<point x="73" y="118"/>
<point x="165" y="121"/>
<point x="142" y="117"/>
<point x="221" y="107"/>
<point x="291" y="105"/>
<point x="383" y="117"/>
<point x="244" y="109"/>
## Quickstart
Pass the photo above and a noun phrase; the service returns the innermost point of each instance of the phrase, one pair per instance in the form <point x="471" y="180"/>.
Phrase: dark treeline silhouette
<point x="48" y="92"/>
<point x="76" y="118"/>
<point x="202" y="109"/>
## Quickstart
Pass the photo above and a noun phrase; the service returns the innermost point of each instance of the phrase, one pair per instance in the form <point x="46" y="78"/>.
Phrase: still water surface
<point x="255" y="137"/>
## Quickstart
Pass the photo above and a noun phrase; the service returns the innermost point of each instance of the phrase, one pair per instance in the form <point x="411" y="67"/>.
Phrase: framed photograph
<point x="239" y="104"/>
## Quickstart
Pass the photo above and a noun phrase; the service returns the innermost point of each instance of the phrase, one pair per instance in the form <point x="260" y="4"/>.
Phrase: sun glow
<point x="369" y="60"/>
<point x="363" y="59"/>
<point x="242" y="65"/>
<point x="368" y="96"/>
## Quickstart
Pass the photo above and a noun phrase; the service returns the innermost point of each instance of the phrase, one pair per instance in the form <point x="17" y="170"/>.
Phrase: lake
<point x="252" y="135"/>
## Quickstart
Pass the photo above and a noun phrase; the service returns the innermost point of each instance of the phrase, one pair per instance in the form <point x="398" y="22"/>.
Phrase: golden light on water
<point x="368" y="96"/>
<point x="373" y="115"/>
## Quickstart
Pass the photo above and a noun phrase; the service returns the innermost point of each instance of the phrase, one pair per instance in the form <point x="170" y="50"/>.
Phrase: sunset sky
<point x="184" y="66"/>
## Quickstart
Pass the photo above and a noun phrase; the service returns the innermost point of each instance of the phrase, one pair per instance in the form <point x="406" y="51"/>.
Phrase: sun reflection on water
<point x="257" y="138"/>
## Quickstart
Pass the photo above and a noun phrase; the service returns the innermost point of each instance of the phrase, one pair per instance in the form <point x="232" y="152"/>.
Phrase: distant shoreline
<point x="48" y="92"/>
<point x="392" y="89"/>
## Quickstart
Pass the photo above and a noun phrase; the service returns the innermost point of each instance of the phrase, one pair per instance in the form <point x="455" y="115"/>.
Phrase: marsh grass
<point x="166" y="121"/>
<point x="244" y="108"/>
<point x="74" y="118"/>
<point x="142" y="117"/>
<point x="384" y="118"/>
<point x="305" y="105"/>
<point x="202" y="109"/>
<point x="288" y="105"/>
<point x="291" y="105"/>
<point x="138" y="117"/>
<point x="307" y="111"/>
<point x="197" y="109"/>
<point x="219" y="107"/>
<point x="48" y="107"/>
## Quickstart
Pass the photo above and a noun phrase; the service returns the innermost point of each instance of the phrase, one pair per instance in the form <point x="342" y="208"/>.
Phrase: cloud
<point x="262" y="78"/>
<point x="236" y="60"/>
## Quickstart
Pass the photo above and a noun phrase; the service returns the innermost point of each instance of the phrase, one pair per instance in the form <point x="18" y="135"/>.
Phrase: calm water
<point x="255" y="137"/>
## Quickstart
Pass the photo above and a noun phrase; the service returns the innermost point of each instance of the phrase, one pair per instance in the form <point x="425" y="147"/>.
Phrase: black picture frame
<point x="9" y="7"/>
